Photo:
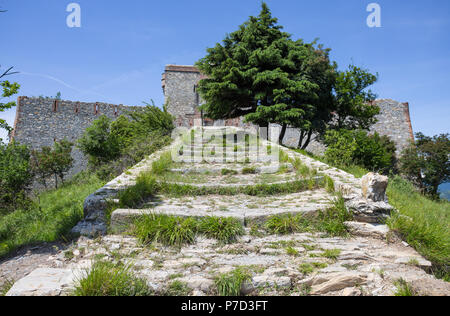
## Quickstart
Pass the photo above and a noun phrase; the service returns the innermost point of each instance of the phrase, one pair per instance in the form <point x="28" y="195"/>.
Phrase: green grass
<point x="226" y="172"/>
<point x="177" y="288"/>
<point x="422" y="223"/>
<point x="230" y="284"/>
<point x="168" y="230"/>
<point x="225" y="230"/>
<point x="109" y="279"/>
<point x="332" y="254"/>
<point x="7" y="285"/>
<point x="163" y="164"/>
<point x="178" y="231"/>
<point x="330" y="221"/>
<point x="403" y="288"/>
<point x="137" y="194"/>
<point x="52" y="216"/>
<point x="249" y="170"/>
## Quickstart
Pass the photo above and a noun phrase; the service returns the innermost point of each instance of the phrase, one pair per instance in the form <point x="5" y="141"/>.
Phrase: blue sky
<point x="119" y="53"/>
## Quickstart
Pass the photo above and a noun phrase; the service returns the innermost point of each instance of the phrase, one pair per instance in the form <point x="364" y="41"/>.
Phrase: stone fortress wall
<point x="179" y="86"/>
<point x="40" y="122"/>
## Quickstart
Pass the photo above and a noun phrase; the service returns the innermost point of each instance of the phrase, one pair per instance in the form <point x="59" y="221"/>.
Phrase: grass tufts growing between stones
<point x="167" y="230"/>
<point x="230" y="284"/>
<point x="284" y="224"/>
<point x="145" y="187"/>
<point x="109" y="279"/>
<point x="177" y="288"/>
<point x="228" y="172"/>
<point x="225" y="230"/>
<point x="403" y="288"/>
<point x="6" y="286"/>
<point x="163" y="164"/>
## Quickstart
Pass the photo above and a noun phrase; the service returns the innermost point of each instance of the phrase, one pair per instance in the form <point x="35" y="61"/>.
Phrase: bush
<point x="349" y="147"/>
<point x="109" y="279"/>
<point x="426" y="163"/>
<point x="15" y="176"/>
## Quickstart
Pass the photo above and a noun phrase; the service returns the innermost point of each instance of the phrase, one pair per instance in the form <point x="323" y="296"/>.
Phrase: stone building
<point x="179" y="86"/>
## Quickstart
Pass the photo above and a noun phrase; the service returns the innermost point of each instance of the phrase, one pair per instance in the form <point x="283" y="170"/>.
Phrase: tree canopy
<point x="261" y="73"/>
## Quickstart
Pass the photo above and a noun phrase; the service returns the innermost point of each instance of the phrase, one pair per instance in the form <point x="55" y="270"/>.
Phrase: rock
<point x="367" y="230"/>
<point x="374" y="187"/>
<point x="351" y="291"/>
<point x="43" y="282"/>
<point x="271" y="281"/>
<point x="199" y="283"/>
<point x="369" y="212"/>
<point x="430" y="287"/>
<point x="337" y="282"/>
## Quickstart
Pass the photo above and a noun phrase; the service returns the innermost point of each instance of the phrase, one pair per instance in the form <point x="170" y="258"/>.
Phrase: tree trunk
<point x="282" y="133"/>
<point x="308" y="140"/>
<point x="300" y="141"/>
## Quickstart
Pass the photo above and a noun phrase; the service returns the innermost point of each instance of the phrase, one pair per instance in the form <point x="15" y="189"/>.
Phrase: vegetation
<point x="403" y="288"/>
<point x="8" y="89"/>
<point x="230" y="284"/>
<point x="357" y="147"/>
<point x="177" y="231"/>
<point x="15" y="176"/>
<point x="177" y="288"/>
<point x="55" y="162"/>
<point x="261" y="73"/>
<point x="50" y="217"/>
<point x="108" y="279"/>
<point x="137" y="194"/>
<point x="426" y="163"/>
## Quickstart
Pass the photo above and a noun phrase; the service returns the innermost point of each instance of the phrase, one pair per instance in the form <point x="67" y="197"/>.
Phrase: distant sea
<point x="444" y="189"/>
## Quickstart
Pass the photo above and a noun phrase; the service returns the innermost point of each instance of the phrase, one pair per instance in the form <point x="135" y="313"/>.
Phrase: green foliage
<point x="426" y="163"/>
<point x="226" y="172"/>
<point x="349" y="147"/>
<point x="249" y="170"/>
<point x="163" y="164"/>
<point x="284" y="224"/>
<point x="145" y="187"/>
<point x="8" y="90"/>
<point x="106" y="141"/>
<point x="50" y="217"/>
<point x="15" y="175"/>
<point x="168" y="230"/>
<point x="403" y="288"/>
<point x="353" y="103"/>
<point x="332" y="254"/>
<point x="177" y="288"/>
<point x="230" y="284"/>
<point x="422" y="223"/>
<point x="225" y="230"/>
<point x="5" y="287"/>
<point x="54" y="161"/>
<point x="109" y="279"/>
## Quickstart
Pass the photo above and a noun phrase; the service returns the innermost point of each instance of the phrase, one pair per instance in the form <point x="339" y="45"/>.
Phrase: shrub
<point x="426" y="163"/>
<point x="225" y="230"/>
<point x="230" y="284"/>
<point x="109" y="279"/>
<point x="168" y="230"/>
<point x="15" y="176"/>
<point x="347" y="147"/>
<point x="145" y="187"/>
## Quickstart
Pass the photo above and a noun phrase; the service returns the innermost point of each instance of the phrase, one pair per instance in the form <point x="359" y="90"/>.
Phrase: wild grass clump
<point x="284" y="224"/>
<point x="109" y="279"/>
<point x="331" y="221"/>
<point x="177" y="288"/>
<point x="403" y="288"/>
<point x="329" y="184"/>
<point x="6" y="286"/>
<point x="163" y="164"/>
<point x="145" y="187"/>
<point x="225" y="230"/>
<point x="168" y="230"/>
<point x="230" y="284"/>
<point x="249" y="170"/>
<point x="227" y="172"/>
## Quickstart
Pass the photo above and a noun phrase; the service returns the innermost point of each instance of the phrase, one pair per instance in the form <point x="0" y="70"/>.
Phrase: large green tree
<point x="261" y="73"/>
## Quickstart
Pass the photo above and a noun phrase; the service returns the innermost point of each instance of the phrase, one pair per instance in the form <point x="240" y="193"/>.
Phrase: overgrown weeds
<point x="230" y="284"/>
<point x="145" y="187"/>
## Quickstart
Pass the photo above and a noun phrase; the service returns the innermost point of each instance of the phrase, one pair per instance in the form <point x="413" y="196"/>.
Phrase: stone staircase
<point x="367" y="263"/>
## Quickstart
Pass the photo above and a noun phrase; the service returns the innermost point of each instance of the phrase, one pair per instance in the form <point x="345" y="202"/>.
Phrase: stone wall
<point x="40" y="122"/>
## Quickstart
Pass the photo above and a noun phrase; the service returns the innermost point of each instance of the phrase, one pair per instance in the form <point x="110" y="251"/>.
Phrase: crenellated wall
<point x="40" y="121"/>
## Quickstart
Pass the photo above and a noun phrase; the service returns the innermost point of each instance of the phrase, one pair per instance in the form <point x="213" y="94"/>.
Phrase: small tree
<point x="55" y="162"/>
<point x="426" y="162"/>
<point x="9" y="89"/>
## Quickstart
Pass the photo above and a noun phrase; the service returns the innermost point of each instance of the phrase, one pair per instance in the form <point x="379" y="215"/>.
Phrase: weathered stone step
<point x="270" y="169"/>
<point x="122" y="218"/>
